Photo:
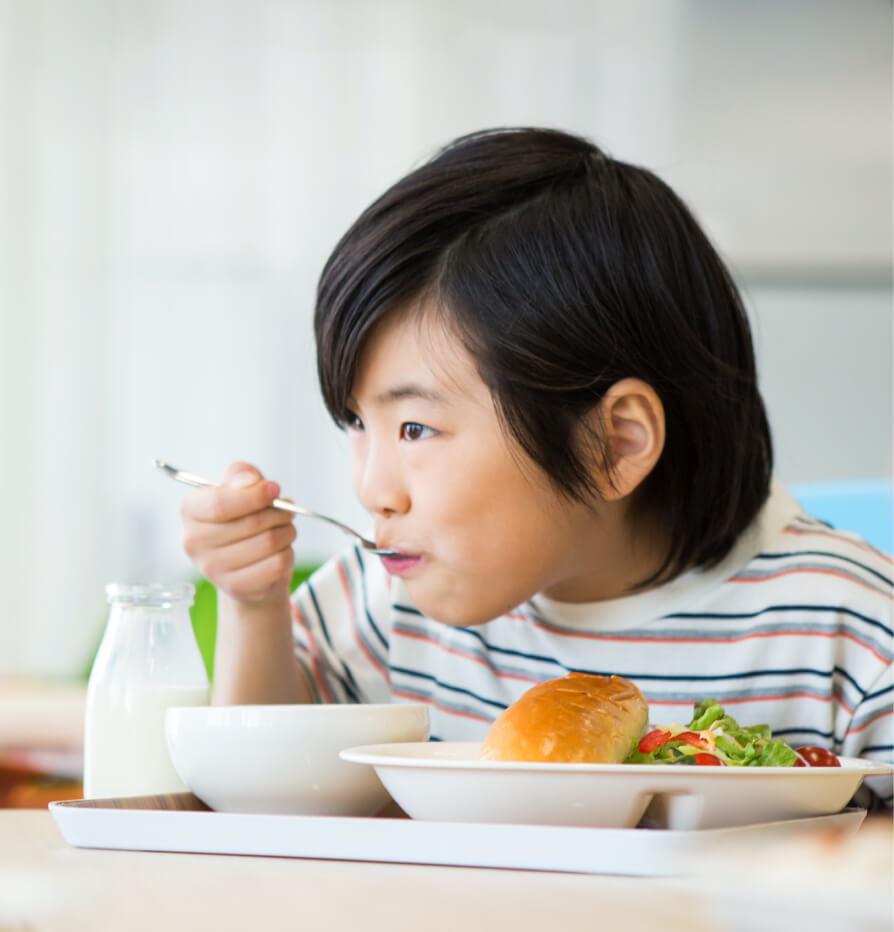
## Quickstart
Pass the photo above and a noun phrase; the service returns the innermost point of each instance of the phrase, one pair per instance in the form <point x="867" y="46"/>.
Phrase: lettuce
<point x="713" y="737"/>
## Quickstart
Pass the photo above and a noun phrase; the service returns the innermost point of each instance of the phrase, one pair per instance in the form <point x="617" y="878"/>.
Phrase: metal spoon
<point x="189" y="478"/>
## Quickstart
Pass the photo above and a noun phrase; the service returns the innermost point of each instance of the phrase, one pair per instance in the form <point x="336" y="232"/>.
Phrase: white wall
<point x="176" y="173"/>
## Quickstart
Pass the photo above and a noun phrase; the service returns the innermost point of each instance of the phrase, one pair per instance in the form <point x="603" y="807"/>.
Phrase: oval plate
<point x="444" y="781"/>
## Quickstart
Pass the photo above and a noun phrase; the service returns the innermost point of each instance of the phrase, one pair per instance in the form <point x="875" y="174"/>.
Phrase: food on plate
<point x="714" y="738"/>
<point x="812" y="756"/>
<point x="576" y="718"/>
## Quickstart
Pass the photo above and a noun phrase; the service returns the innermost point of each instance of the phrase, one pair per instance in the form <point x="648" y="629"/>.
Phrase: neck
<point x="611" y="556"/>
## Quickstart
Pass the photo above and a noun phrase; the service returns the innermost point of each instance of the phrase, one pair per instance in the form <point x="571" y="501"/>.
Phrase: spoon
<point x="189" y="478"/>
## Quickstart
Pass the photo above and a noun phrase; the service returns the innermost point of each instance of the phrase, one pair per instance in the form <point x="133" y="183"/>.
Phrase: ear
<point x="631" y="416"/>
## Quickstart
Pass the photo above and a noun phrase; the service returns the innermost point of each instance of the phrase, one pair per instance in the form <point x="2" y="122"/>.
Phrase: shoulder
<point x="805" y="550"/>
<point x="788" y="549"/>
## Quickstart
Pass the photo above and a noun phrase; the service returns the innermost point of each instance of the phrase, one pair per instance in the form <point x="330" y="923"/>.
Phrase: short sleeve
<point x="341" y="629"/>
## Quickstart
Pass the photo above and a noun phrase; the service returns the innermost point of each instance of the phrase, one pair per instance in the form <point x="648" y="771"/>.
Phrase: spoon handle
<point x="189" y="478"/>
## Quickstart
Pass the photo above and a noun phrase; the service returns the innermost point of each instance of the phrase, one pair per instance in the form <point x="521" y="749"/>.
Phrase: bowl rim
<point x="309" y="709"/>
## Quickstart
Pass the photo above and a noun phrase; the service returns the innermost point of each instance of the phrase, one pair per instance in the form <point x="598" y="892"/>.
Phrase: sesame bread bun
<point x="578" y="718"/>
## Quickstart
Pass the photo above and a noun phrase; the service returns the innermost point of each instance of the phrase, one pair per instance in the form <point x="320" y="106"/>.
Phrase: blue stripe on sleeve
<point x="346" y="679"/>
<point x="428" y="677"/>
<point x="833" y="609"/>
<point x="375" y="628"/>
<point x="825" y="553"/>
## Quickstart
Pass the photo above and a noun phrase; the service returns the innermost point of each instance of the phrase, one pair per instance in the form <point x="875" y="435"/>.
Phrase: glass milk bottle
<point x="148" y="660"/>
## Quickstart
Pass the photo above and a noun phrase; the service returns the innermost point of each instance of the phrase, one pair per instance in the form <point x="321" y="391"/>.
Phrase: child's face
<point x="482" y="527"/>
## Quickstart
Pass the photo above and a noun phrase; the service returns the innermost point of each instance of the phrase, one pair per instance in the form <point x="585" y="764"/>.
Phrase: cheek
<point x="488" y="530"/>
<point x="356" y="454"/>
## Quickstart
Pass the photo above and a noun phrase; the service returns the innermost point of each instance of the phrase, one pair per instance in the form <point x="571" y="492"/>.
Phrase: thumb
<point x="241" y="475"/>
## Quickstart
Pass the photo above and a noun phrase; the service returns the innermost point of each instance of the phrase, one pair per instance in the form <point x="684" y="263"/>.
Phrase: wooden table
<point x="47" y="885"/>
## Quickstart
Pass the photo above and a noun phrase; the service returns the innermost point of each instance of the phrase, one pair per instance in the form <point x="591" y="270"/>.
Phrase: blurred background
<point x="174" y="173"/>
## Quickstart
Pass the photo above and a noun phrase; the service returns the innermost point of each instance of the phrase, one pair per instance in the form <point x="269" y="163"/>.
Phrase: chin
<point x="457" y="613"/>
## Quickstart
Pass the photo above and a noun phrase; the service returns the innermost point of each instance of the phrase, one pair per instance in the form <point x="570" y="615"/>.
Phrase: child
<point x="549" y="386"/>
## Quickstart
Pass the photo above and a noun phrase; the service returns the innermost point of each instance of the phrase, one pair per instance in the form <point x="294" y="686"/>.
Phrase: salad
<point x="715" y="739"/>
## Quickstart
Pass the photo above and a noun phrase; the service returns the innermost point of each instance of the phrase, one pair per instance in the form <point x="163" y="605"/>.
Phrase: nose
<point x="378" y="480"/>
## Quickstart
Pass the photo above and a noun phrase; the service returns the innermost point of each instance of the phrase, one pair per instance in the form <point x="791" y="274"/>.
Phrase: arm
<point x="254" y="660"/>
<point x="244" y="547"/>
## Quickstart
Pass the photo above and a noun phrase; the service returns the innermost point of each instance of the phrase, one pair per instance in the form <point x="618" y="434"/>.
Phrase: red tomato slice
<point x="693" y="738"/>
<point x="654" y="739"/>
<point x="708" y="760"/>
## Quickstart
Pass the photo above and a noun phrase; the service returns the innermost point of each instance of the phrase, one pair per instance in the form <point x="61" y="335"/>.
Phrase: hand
<point x="236" y="540"/>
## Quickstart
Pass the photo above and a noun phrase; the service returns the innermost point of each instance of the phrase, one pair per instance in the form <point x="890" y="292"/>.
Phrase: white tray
<point x="182" y="824"/>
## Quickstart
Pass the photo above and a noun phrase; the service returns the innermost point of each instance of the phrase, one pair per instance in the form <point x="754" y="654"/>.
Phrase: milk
<point x="147" y="661"/>
<point x="125" y="750"/>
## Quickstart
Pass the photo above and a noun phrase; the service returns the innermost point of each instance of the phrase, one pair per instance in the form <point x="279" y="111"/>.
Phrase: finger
<point x="228" y="503"/>
<point x="256" y="581"/>
<point x="224" y="561"/>
<point x="202" y="536"/>
<point x="239" y="475"/>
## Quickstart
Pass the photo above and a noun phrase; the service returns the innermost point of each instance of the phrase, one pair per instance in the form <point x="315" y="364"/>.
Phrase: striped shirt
<point x="793" y="629"/>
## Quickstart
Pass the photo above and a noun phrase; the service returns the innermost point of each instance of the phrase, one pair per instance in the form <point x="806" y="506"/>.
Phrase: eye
<point x="352" y="421"/>
<point x="410" y="430"/>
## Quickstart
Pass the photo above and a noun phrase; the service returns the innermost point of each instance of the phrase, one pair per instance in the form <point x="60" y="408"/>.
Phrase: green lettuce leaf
<point x="736" y="746"/>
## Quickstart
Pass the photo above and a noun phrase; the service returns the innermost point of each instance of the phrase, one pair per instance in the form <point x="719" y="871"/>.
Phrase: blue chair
<point x="863" y="506"/>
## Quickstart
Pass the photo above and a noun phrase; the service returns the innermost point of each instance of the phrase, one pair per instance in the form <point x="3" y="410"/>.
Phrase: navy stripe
<point x="871" y="748"/>
<point x="835" y="609"/>
<point x="416" y="674"/>
<point x="360" y="632"/>
<point x="825" y="553"/>
<point x="781" y="732"/>
<point x="347" y="681"/>
<point x="879" y="692"/>
<point x="369" y="617"/>
<point x="408" y="609"/>
<point x="721" y="677"/>
<point x="509" y="652"/>
<point x="314" y="687"/>
<point x="666" y="677"/>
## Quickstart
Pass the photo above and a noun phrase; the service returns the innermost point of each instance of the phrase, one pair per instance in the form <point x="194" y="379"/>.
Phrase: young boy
<point x="549" y="385"/>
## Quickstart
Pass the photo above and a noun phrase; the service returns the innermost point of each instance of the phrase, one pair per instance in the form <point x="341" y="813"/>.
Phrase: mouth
<point x="398" y="564"/>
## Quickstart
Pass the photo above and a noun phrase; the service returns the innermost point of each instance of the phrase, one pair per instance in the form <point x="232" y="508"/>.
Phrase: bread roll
<point x="577" y="718"/>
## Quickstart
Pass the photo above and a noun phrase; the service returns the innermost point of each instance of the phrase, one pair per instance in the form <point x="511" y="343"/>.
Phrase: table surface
<point x="47" y="885"/>
<point x="841" y="884"/>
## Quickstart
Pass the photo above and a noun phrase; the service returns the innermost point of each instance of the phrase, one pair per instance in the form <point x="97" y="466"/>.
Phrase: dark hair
<point x="564" y="271"/>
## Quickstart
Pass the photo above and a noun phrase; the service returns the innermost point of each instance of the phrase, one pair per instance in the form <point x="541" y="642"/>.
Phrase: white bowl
<point x="285" y="758"/>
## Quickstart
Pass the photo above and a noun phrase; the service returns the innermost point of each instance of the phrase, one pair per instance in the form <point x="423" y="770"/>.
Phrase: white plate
<point x="444" y="781"/>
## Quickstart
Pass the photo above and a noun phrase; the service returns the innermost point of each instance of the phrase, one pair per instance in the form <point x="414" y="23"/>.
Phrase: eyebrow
<point x="409" y="390"/>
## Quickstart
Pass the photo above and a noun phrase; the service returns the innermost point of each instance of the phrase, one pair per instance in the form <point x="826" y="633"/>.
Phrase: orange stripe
<point x="458" y="653"/>
<point x="860" y="582"/>
<point x="779" y="698"/>
<point x="443" y="708"/>
<point x="859" y="544"/>
<point x="314" y="652"/>
<point x="366" y="653"/>
<point x="729" y="640"/>
<point x="875" y="718"/>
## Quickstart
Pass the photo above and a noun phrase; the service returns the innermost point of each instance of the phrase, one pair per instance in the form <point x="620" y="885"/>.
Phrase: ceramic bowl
<point x="285" y="758"/>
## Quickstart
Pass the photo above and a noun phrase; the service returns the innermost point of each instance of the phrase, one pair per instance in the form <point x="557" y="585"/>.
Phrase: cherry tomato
<point x="812" y="756"/>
